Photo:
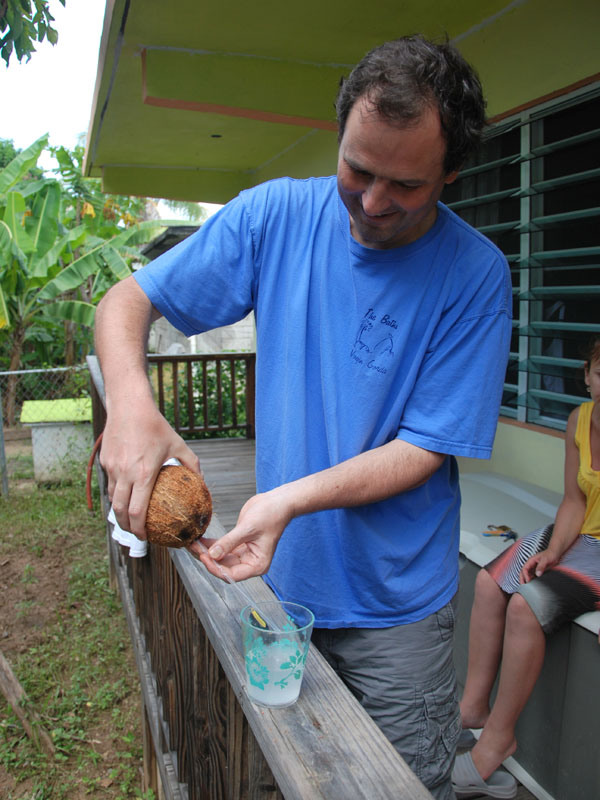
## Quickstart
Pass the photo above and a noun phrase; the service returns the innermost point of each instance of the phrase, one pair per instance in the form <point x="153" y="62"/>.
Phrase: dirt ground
<point x="28" y="611"/>
<point x="17" y="450"/>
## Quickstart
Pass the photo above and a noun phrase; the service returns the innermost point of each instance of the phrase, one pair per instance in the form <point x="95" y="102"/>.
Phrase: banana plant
<point x="43" y="263"/>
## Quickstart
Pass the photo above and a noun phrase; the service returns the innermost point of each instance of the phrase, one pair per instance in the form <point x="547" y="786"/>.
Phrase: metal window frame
<point x="529" y="264"/>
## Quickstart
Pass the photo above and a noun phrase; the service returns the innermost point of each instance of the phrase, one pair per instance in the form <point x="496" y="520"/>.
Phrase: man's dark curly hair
<point x="403" y="77"/>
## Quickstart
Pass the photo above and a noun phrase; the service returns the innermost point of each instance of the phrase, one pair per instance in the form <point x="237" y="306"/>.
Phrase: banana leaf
<point x="13" y="217"/>
<point x="33" y="187"/>
<point x="116" y="263"/>
<point x="4" y="317"/>
<point x="41" y="266"/>
<point x="72" y="276"/>
<point x="22" y="163"/>
<point x="101" y="285"/>
<point x="144" y="231"/>
<point x="44" y="222"/>
<point x="5" y="240"/>
<point x="72" y="311"/>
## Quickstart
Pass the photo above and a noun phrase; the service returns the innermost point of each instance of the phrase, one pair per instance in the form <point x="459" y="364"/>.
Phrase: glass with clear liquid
<point x="275" y="659"/>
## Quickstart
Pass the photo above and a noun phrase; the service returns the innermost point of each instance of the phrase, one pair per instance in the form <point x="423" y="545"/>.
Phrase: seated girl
<point x="544" y="580"/>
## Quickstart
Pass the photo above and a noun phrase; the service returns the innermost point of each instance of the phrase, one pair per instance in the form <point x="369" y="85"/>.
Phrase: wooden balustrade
<point x="204" y="739"/>
<point x="194" y="407"/>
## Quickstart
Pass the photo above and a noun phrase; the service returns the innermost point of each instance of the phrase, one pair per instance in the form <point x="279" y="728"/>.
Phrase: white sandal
<point x="467" y="782"/>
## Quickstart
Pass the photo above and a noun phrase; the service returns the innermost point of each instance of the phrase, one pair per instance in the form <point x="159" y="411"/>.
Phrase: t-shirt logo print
<point x="374" y="344"/>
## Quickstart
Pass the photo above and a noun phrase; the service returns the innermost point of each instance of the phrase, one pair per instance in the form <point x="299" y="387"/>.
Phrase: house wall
<point x="526" y="452"/>
<point x="165" y="339"/>
<point x="237" y="338"/>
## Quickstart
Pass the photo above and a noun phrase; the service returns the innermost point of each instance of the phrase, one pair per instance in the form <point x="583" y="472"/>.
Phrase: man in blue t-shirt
<point x="383" y="326"/>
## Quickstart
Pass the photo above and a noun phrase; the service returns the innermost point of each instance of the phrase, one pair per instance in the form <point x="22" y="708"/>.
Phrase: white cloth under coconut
<point x="137" y="547"/>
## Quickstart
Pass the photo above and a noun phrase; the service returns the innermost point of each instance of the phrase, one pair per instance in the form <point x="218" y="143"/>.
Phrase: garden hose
<point x="88" y="480"/>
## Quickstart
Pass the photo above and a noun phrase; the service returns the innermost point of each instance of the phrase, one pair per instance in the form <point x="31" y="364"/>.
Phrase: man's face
<point x="389" y="177"/>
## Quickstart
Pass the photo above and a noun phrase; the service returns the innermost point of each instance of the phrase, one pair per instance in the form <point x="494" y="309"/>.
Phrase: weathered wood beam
<point x="21" y="705"/>
<point x="324" y="747"/>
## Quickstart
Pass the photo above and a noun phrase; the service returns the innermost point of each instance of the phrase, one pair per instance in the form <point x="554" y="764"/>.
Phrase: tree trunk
<point x="69" y="329"/>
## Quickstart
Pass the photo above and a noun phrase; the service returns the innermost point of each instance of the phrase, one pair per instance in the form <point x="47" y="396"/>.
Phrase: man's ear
<point x="451" y="176"/>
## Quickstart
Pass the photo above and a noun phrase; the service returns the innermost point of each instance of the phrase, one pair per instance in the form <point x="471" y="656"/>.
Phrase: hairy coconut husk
<point x="180" y="507"/>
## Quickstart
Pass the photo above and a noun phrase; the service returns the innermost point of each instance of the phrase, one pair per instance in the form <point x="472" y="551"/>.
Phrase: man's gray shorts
<point x="404" y="678"/>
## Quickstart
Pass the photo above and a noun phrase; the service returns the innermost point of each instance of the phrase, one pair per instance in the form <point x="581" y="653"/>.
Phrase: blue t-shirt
<point x="355" y="347"/>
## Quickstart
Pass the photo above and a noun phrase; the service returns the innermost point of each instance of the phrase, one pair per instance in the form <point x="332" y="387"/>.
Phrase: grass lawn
<point x="64" y="634"/>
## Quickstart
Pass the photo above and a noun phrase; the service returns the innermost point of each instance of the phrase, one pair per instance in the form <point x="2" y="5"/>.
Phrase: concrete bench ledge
<point x="492" y="499"/>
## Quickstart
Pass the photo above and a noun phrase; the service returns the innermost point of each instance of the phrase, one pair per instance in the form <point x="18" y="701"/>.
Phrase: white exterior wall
<point x="238" y="338"/>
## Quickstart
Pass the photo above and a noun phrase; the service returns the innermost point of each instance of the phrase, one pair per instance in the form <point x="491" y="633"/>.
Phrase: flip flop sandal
<point x="467" y="782"/>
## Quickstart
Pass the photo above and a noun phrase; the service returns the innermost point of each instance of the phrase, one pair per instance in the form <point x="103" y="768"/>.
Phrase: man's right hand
<point x="135" y="444"/>
<point x="137" y="439"/>
<point x="247" y="550"/>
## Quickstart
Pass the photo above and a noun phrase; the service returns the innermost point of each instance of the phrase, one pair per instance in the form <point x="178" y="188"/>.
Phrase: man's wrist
<point x="132" y="396"/>
<point x="286" y="499"/>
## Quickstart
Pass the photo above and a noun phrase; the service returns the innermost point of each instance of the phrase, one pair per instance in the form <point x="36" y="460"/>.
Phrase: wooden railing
<point x="204" y="739"/>
<point x="205" y="394"/>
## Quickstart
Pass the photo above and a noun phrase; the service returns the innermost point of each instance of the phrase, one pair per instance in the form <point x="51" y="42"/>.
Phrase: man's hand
<point x="247" y="550"/>
<point x="374" y="475"/>
<point x="535" y="566"/>
<point x="137" y="439"/>
<point x="134" y="447"/>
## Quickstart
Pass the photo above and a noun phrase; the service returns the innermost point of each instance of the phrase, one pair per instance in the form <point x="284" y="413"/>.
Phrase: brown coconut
<point x="180" y="507"/>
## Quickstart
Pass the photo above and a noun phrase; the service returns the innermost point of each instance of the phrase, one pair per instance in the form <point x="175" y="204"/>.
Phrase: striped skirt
<point x="563" y="592"/>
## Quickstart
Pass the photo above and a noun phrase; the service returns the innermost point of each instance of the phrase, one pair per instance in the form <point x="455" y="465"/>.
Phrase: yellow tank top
<point x="588" y="478"/>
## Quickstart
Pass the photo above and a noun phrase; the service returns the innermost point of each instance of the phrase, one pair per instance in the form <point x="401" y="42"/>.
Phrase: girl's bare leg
<point x="486" y="635"/>
<point x="522" y="660"/>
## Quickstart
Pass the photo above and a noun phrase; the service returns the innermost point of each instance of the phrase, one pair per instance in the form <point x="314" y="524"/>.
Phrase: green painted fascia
<point x="195" y="185"/>
<point x="295" y="89"/>
<point x="315" y="154"/>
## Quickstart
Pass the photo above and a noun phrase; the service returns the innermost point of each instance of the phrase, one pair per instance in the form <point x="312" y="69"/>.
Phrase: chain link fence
<point x="45" y="425"/>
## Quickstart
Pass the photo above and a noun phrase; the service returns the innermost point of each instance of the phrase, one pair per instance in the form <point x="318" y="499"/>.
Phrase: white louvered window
<point x="534" y="190"/>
